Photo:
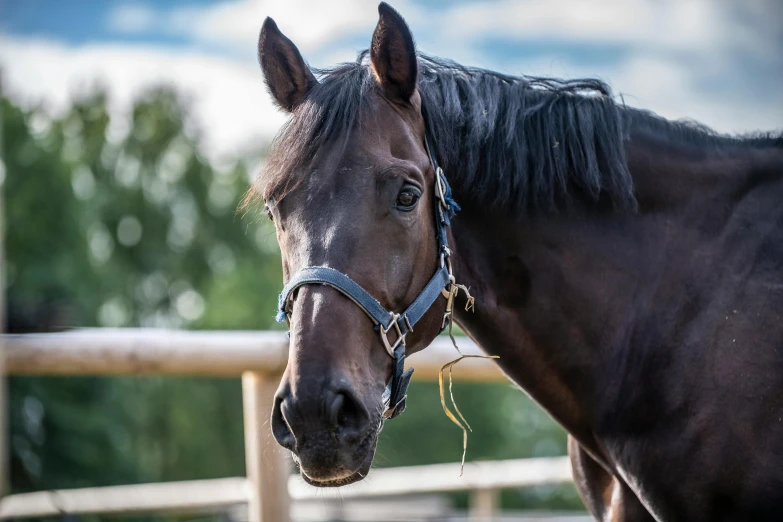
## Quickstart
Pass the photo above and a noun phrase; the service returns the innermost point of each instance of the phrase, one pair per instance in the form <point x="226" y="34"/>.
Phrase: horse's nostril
<point x="347" y="415"/>
<point x="280" y="427"/>
<point x="336" y="410"/>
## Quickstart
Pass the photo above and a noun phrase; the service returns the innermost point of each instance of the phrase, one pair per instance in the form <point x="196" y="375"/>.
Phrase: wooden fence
<point x="260" y="358"/>
<point x="3" y="415"/>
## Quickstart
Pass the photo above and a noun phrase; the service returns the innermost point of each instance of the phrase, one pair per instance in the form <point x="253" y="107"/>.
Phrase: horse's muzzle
<point x="331" y="434"/>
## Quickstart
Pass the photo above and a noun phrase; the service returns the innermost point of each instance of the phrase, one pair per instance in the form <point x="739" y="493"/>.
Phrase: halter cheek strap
<point x="441" y="284"/>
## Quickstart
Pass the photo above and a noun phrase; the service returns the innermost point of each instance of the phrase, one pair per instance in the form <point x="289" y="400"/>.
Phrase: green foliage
<point x="133" y="230"/>
<point x="126" y="224"/>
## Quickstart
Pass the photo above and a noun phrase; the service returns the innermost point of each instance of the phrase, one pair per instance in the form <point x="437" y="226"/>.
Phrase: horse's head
<point x="349" y="186"/>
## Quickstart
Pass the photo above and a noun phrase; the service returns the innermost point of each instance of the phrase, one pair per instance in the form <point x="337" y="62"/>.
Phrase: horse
<point x="627" y="269"/>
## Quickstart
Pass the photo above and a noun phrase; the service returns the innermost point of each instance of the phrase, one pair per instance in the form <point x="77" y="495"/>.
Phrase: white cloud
<point x="132" y="18"/>
<point x="691" y="26"/>
<point x="672" y="89"/>
<point x="229" y="100"/>
<point x="684" y="25"/>
<point x="311" y="24"/>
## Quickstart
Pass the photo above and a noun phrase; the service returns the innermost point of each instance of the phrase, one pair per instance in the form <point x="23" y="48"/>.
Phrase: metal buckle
<point x="450" y="295"/>
<point x="400" y="336"/>
<point x="445" y="258"/>
<point x="440" y="188"/>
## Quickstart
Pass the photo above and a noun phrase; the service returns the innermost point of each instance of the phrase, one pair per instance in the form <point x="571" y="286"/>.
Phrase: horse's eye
<point x="407" y="198"/>
<point x="268" y="212"/>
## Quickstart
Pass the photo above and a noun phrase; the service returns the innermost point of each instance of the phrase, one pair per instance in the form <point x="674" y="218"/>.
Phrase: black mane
<point x="525" y="143"/>
<point x="517" y="143"/>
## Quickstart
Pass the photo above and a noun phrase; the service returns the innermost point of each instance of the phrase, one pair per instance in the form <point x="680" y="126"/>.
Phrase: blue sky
<point x="713" y="61"/>
<point x="79" y="22"/>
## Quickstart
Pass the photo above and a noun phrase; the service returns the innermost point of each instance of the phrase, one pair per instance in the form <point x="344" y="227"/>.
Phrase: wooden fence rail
<point x="227" y="492"/>
<point x="139" y="351"/>
<point x="260" y="358"/>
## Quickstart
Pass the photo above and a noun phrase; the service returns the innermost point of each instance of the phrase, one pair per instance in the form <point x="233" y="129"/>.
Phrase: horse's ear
<point x="287" y="76"/>
<point x="393" y="54"/>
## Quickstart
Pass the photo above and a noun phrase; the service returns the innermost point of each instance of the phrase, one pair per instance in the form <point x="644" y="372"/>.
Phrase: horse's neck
<point x="561" y="299"/>
<point x="551" y="299"/>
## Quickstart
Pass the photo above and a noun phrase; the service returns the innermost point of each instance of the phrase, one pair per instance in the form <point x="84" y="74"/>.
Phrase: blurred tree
<point x="123" y="223"/>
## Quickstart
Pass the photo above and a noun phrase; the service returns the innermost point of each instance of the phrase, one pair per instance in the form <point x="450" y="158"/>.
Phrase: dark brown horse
<point x="628" y="270"/>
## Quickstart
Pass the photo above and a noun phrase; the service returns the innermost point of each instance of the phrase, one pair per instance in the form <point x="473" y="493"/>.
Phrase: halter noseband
<point x="441" y="284"/>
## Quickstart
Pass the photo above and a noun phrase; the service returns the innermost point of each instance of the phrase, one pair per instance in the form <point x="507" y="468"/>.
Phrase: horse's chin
<point x="343" y="478"/>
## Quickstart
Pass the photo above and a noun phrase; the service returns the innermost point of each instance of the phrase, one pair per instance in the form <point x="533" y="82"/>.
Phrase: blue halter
<point x="441" y="284"/>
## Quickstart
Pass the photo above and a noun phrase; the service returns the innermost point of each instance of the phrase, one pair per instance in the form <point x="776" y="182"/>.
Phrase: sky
<point x="714" y="61"/>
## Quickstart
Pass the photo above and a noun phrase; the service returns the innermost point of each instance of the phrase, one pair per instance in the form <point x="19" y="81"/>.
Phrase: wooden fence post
<point x="4" y="438"/>
<point x="483" y="505"/>
<point x="267" y="464"/>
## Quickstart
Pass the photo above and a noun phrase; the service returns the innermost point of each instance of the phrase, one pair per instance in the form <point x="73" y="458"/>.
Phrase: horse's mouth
<point x="344" y="480"/>
<point x="336" y="483"/>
